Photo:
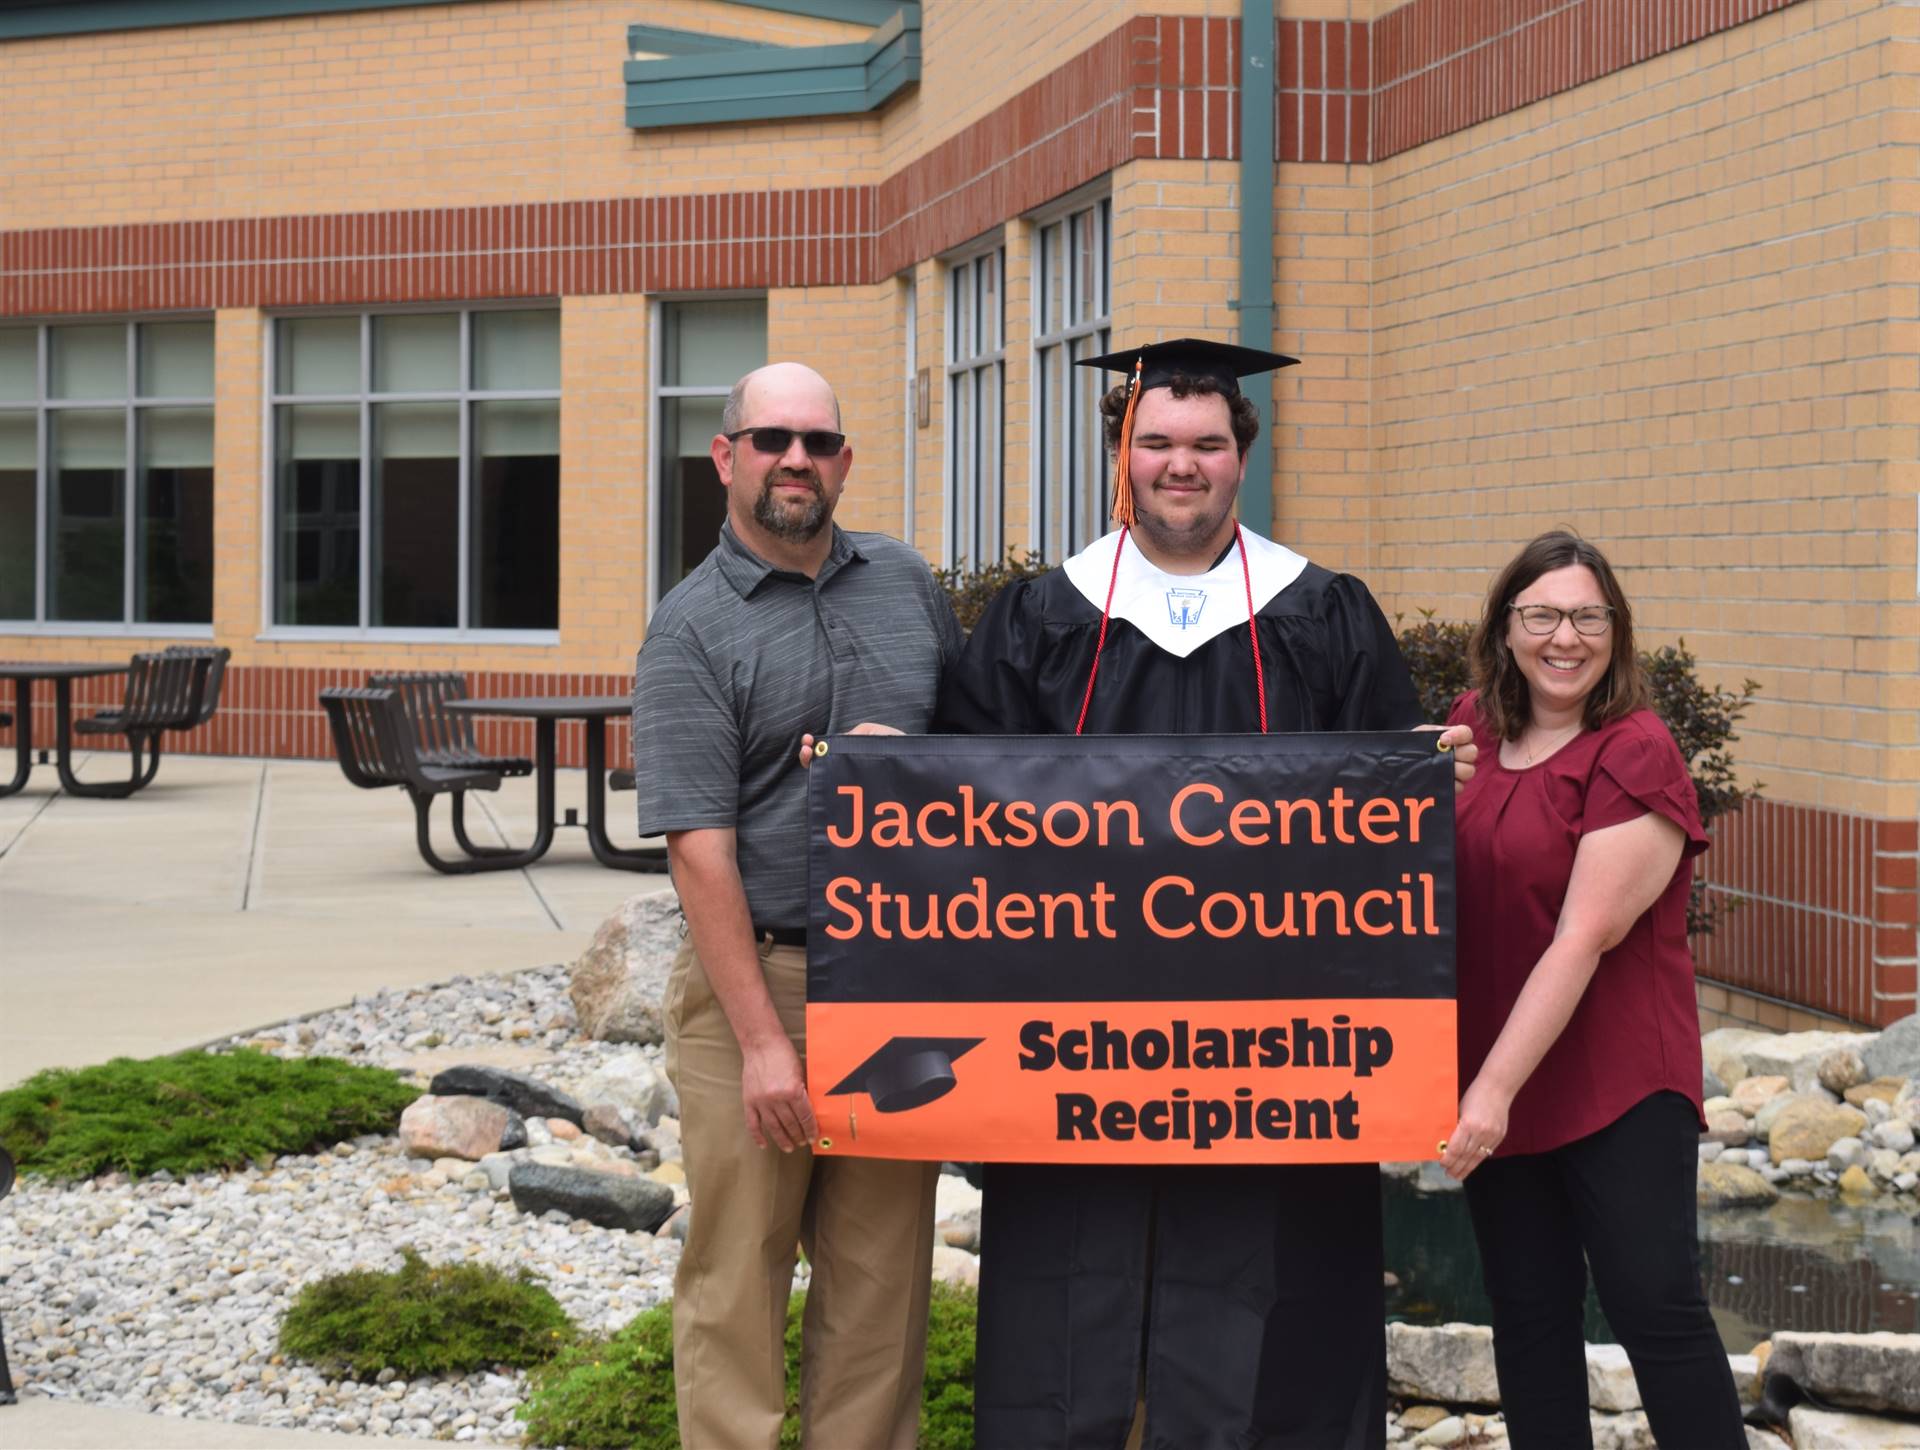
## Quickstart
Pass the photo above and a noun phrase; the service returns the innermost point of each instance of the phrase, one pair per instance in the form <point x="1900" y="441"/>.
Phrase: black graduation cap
<point x="1225" y="362"/>
<point x="907" y="1072"/>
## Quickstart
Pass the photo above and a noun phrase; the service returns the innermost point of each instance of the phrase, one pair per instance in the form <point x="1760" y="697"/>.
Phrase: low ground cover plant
<point x="193" y="1112"/>
<point x="618" y="1391"/>
<point x="424" y="1319"/>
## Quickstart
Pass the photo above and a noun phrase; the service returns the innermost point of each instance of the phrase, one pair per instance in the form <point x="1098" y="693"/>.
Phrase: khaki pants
<point x="866" y="1225"/>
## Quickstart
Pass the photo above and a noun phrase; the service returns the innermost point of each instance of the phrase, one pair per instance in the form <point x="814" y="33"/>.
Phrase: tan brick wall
<point x="929" y="443"/>
<point x="506" y="101"/>
<point x="239" y="582"/>
<point x="606" y="549"/>
<point x="853" y="337"/>
<point x="1675" y="308"/>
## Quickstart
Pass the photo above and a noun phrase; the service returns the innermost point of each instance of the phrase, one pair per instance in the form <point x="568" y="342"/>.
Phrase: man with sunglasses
<point x="792" y="625"/>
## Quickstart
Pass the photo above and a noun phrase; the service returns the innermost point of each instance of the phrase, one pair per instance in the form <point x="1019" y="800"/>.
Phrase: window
<point x="416" y="480"/>
<point x="106" y="473"/>
<point x="976" y="381"/>
<point x="705" y="348"/>
<point x="1072" y="315"/>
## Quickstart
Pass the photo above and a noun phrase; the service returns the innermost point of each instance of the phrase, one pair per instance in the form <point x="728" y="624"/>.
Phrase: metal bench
<point x="164" y="692"/>
<point x="444" y="738"/>
<point x="376" y="747"/>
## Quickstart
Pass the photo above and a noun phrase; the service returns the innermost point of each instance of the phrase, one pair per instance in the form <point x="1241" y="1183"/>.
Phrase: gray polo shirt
<point x="742" y="659"/>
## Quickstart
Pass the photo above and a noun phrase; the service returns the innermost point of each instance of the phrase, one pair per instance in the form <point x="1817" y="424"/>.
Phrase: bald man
<point x="791" y="626"/>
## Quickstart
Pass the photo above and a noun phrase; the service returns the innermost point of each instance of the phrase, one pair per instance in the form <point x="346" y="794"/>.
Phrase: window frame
<point x="465" y="396"/>
<point x="967" y="371"/>
<point x="657" y="394"/>
<point x="1052" y="527"/>
<point x="43" y="405"/>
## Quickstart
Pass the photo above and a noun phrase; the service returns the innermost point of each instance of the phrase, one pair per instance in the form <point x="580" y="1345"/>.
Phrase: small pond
<point x="1804" y="1263"/>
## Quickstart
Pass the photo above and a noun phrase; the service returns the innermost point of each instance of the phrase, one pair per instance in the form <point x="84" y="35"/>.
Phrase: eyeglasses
<point x="819" y="442"/>
<point x="1545" y="619"/>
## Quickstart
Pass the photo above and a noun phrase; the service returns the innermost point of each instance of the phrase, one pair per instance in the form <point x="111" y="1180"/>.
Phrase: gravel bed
<point x="167" y="1295"/>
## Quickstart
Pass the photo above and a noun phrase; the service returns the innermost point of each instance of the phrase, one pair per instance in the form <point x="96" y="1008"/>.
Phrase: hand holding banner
<point x="1132" y="949"/>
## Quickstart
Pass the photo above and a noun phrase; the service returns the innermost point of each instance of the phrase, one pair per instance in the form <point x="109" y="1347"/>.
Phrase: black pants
<point x="1621" y="1201"/>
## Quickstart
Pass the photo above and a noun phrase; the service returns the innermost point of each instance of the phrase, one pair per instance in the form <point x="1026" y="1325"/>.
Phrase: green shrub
<point x="618" y="1392"/>
<point x="972" y="587"/>
<point x="424" y="1320"/>
<point x="1700" y="716"/>
<point x="192" y="1112"/>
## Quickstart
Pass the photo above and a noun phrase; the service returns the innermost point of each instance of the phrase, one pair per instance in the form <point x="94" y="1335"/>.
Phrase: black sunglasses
<point x="818" y="442"/>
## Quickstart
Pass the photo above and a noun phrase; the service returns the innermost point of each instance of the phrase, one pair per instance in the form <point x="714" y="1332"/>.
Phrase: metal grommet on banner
<point x="1443" y="744"/>
<point x="819" y="748"/>
<point x="826" y="1143"/>
<point x="1441" y="1147"/>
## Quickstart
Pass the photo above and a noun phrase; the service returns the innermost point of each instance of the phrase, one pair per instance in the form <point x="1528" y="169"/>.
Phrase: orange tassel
<point x="1123" y="464"/>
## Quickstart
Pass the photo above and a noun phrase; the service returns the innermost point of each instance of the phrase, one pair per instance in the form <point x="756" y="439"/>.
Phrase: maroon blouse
<point x="1637" y="1028"/>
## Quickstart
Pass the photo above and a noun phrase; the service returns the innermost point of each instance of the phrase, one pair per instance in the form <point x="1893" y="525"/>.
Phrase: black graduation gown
<point x="1251" y="1296"/>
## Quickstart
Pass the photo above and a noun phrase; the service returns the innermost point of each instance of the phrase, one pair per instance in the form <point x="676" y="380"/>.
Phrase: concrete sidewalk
<point x="233" y="894"/>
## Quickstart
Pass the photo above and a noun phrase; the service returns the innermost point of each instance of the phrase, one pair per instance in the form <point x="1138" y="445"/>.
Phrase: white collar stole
<point x="1181" y="612"/>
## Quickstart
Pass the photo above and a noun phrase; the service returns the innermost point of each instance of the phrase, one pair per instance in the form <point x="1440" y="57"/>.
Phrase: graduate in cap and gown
<point x="1243" y="1304"/>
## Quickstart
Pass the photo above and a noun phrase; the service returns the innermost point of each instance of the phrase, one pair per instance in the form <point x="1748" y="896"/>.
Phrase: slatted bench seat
<point x="376" y="747"/>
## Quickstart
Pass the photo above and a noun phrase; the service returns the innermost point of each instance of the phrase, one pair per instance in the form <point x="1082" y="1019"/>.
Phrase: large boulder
<point x="1835" y="1430"/>
<point x="1452" y="1363"/>
<point x="1610" y="1383"/>
<point x="452" y="1127"/>
<point x="633" y="1082"/>
<point x="527" y="1096"/>
<point x="1753" y="1093"/>
<point x="1796" y="1055"/>
<point x="1879" y="1371"/>
<point x="1733" y="1185"/>
<point x="1808" y="1128"/>
<point x="618" y="981"/>
<point x="1895" y="1052"/>
<point x="607" y="1199"/>
<point x="1763" y="1120"/>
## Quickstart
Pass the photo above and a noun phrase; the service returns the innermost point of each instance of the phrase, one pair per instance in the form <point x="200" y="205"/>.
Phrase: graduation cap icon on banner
<point x="907" y="1072"/>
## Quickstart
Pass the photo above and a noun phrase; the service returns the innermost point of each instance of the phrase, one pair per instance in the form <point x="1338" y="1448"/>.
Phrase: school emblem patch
<point x="1184" y="606"/>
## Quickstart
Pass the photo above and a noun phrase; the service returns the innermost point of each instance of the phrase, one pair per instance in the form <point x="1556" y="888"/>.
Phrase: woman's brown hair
<point x="1501" y="686"/>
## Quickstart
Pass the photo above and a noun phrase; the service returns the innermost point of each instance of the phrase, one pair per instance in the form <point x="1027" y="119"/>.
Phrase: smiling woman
<point x="1579" y="1040"/>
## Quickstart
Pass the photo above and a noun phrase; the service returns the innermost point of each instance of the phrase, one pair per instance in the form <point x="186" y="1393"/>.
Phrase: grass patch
<point x="618" y="1392"/>
<point x="424" y="1320"/>
<point x="192" y="1112"/>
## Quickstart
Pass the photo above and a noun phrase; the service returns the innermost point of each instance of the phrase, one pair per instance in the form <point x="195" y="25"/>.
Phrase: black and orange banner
<point x="1132" y="949"/>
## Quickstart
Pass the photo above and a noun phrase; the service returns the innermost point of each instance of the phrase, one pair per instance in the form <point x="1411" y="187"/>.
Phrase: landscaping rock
<point x="1621" y="1432"/>
<point x="1796" y="1055"/>
<point x="452" y="1127"/>
<point x="1746" y="1376"/>
<point x="1450" y="1431"/>
<point x="1730" y="1185"/>
<point x="1610" y="1383"/>
<point x="1729" y="1129"/>
<point x="1856" y="1181"/>
<point x="619" y="979"/>
<point x="1711" y="1086"/>
<point x="527" y="1096"/>
<point x="615" y="1126"/>
<point x="1844" y="1153"/>
<point x="955" y="1266"/>
<point x="632" y="1081"/>
<point x="1896" y="1051"/>
<point x="1764" y="1119"/>
<point x="1840" y="1070"/>
<point x="1452" y="1363"/>
<point x="1883" y="1089"/>
<point x="1807" y="1129"/>
<point x="1754" y="1093"/>
<point x="514" y="1135"/>
<point x="1878" y="1371"/>
<point x="1422" y="1417"/>
<point x="599" y="1198"/>
<point x="1726" y="1065"/>
<point x="1813" y="1429"/>
<point x="1894" y="1134"/>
